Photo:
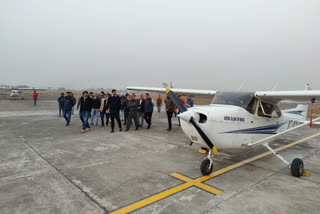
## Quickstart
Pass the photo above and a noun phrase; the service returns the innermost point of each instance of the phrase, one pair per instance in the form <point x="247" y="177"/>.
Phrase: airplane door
<point x="266" y="117"/>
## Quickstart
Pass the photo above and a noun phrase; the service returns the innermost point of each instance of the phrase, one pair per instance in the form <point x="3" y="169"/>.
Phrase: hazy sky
<point x="206" y="44"/>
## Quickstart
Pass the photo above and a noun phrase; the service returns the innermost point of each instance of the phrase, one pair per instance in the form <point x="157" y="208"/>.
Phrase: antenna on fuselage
<point x="241" y="86"/>
<point x="275" y="86"/>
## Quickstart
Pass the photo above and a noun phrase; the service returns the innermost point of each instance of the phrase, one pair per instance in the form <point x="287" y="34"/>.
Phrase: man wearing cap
<point x="113" y="107"/>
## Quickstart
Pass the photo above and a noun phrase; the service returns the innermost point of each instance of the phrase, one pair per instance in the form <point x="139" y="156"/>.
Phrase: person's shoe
<point x="67" y="124"/>
<point x="87" y="129"/>
<point x="120" y="129"/>
<point x="137" y="128"/>
<point x="148" y="127"/>
<point x="112" y="131"/>
<point x="169" y="130"/>
<point x="101" y="125"/>
<point x="107" y="124"/>
<point x="82" y="131"/>
<point x="126" y="130"/>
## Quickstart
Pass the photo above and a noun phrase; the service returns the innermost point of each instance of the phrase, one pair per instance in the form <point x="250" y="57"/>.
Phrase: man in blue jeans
<point x="35" y="97"/>
<point x="85" y="103"/>
<point x="67" y="108"/>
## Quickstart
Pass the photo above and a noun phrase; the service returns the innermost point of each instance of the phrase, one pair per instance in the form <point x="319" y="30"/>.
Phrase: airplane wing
<point x="5" y="89"/>
<point x="22" y="89"/>
<point x="195" y="92"/>
<point x="277" y="96"/>
<point x="273" y="137"/>
<point x="31" y="89"/>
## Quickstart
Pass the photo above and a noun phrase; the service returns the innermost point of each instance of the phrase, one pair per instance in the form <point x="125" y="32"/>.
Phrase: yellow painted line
<point x="152" y="199"/>
<point x="199" y="181"/>
<point x="241" y="163"/>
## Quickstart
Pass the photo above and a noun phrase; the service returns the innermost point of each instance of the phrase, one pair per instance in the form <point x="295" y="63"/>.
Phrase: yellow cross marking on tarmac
<point x="199" y="181"/>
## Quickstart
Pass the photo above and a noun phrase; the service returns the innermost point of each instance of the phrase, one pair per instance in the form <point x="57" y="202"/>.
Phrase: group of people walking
<point x="105" y="106"/>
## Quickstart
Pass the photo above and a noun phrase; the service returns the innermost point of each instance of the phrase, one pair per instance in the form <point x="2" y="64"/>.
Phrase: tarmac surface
<point x="47" y="167"/>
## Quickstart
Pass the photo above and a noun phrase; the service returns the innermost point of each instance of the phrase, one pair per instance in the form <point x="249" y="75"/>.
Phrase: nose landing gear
<point x="207" y="164"/>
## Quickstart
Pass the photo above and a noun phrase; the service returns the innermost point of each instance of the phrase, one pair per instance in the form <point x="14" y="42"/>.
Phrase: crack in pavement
<point x="56" y="169"/>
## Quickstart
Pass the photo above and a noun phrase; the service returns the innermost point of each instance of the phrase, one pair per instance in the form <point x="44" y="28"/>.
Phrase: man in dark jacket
<point x="90" y="96"/>
<point x="132" y="113"/>
<point x="61" y="103"/>
<point x="141" y="105"/>
<point x="113" y="107"/>
<point x="67" y="107"/>
<point x="124" y="106"/>
<point x="73" y="100"/>
<point x="85" y="103"/>
<point x="96" y="102"/>
<point x="169" y="109"/>
<point x="148" y="109"/>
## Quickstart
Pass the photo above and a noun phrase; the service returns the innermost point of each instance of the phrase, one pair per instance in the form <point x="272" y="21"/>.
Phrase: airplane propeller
<point x="184" y="110"/>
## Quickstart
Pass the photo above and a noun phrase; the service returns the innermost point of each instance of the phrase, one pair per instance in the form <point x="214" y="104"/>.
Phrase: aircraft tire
<point x="204" y="167"/>
<point x="297" y="167"/>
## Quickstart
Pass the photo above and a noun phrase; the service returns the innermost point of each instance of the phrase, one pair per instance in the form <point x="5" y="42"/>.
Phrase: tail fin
<point x="301" y="110"/>
<point x="307" y="88"/>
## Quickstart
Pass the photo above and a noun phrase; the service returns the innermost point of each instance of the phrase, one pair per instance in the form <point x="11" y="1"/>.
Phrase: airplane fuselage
<point x="16" y="93"/>
<point x="233" y="127"/>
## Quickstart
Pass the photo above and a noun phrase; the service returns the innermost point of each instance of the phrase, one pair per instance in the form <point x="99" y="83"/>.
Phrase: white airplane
<point x="18" y="92"/>
<point x="238" y="120"/>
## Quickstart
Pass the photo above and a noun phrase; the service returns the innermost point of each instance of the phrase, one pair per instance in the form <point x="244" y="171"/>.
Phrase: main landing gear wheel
<point x="297" y="167"/>
<point x="205" y="167"/>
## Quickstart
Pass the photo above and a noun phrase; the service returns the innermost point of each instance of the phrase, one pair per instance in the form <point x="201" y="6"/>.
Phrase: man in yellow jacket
<point x="103" y="110"/>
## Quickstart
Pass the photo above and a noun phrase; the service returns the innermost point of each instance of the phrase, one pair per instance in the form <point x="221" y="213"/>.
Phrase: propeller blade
<point x="204" y="136"/>
<point x="182" y="109"/>
<point x="176" y="101"/>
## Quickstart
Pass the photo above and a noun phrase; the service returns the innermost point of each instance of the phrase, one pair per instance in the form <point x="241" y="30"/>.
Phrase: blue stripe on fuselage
<point x="295" y="112"/>
<point x="258" y="130"/>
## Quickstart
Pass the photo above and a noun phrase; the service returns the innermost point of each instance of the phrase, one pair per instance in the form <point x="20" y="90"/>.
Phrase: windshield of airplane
<point x="244" y="100"/>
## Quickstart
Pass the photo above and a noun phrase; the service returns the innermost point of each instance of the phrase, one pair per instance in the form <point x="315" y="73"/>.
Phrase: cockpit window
<point x="245" y="100"/>
<point x="268" y="110"/>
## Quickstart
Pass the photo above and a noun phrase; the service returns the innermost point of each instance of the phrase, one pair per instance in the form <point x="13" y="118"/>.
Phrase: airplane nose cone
<point x="186" y="116"/>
